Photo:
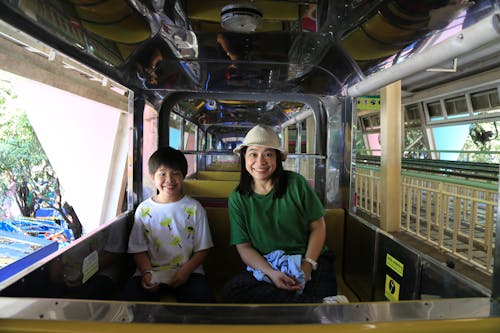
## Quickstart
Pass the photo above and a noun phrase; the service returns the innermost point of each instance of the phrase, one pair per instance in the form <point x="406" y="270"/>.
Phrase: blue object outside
<point x="23" y="251"/>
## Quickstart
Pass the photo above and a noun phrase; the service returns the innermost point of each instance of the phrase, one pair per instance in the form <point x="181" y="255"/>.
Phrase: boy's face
<point x="169" y="184"/>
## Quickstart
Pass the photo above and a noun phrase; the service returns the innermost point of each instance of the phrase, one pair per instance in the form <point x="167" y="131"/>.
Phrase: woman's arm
<point x="189" y="266"/>
<point x="315" y="244"/>
<point x="252" y="258"/>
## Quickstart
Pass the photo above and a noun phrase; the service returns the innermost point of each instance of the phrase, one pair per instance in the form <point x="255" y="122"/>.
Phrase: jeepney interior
<point x="288" y="74"/>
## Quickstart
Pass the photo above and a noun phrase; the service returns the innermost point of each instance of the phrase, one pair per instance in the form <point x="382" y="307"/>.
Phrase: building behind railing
<point x="452" y="214"/>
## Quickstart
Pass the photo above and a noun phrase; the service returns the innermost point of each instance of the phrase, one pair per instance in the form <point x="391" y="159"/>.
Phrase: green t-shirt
<point x="275" y="224"/>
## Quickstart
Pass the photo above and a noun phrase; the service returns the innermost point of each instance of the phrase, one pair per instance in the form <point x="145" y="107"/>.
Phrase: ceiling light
<point x="240" y="17"/>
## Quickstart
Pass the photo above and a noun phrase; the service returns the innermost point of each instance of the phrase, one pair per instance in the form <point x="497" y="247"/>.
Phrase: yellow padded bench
<point x="224" y="262"/>
<point x="335" y="220"/>
<point x="217" y="175"/>
<point x="197" y="188"/>
<point x="224" y="166"/>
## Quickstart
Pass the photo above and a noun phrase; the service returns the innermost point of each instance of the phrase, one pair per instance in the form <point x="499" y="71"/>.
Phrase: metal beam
<point x="482" y="33"/>
<point x="18" y="60"/>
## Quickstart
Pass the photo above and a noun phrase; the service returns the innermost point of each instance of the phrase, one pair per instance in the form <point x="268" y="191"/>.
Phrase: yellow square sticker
<point x="391" y="289"/>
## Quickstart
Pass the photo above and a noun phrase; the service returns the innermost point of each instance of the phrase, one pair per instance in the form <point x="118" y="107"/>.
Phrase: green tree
<point x="22" y="159"/>
<point x="414" y="145"/>
<point x="25" y="170"/>
<point x="484" y="140"/>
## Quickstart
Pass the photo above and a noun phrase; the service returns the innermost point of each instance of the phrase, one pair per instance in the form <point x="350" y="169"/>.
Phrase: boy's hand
<point x="180" y="277"/>
<point x="148" y="284"/>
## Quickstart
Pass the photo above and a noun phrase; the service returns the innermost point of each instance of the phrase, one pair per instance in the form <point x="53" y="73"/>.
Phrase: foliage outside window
<point x="26" y="175"/>
<point x="482" y="144"/>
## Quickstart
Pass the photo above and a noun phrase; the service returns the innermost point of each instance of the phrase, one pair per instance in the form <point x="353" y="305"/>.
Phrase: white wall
<point x="78" y="135"/>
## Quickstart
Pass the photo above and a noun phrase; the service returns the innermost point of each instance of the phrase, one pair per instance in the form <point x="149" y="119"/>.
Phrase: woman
<point x="276" y="218"/>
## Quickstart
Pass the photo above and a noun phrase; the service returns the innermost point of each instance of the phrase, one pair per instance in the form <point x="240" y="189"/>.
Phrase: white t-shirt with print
<point x="170" y="233"/>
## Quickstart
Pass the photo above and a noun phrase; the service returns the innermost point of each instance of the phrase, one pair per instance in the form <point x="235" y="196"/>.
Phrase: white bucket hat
<point x="264" y="136"/>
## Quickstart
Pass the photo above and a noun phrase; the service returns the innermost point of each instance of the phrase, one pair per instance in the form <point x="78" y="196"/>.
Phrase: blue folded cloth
<point x="286" y="263"/>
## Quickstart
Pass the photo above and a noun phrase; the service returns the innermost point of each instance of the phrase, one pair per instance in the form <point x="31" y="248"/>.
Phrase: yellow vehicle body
<point x="300" y="71"/>
<point x="443" y="326"/>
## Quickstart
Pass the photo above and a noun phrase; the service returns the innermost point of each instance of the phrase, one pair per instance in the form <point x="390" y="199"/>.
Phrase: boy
<point x="170" y="237"/>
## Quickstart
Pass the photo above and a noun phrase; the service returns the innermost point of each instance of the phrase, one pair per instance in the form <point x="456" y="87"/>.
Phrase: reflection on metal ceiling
<point x="299" y="48"/>
<point x="303" y="47"/>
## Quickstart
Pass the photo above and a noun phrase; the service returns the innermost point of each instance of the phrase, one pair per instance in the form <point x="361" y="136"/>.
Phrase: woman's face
<point x="260" y="162"/>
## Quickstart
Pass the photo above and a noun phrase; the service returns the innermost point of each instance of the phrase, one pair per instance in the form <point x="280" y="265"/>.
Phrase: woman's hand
<point x="283" y="281"/>
<point x="307" y="269"/>
<point x="315" y="244"/>
<point x="252" y="258"/>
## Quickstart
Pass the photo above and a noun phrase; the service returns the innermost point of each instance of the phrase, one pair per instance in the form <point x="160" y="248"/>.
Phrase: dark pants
<point x="97" y="287"/>
<point x="195" y="290"/>
<point x="244" y="288"/>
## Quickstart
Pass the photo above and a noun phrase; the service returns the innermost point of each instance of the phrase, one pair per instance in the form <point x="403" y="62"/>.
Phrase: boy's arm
<point x="144" y="265"/>
<point x="143" y="262"/>
<point x="188" y="267"/>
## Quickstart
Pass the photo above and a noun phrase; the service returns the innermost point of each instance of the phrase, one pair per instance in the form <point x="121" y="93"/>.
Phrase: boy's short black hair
<point x="170" y="158"/>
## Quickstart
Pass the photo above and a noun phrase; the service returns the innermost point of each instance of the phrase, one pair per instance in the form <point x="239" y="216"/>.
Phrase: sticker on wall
<point x="90" y="266"/>
<point x="391" y="289"/>
<point x="394" y="264"/>
<point x="368" y="103"/>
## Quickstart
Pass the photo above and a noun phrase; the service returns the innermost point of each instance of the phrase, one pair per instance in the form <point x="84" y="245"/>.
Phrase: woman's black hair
<point x="279" y="177"/>
<point x="170" y="158"/>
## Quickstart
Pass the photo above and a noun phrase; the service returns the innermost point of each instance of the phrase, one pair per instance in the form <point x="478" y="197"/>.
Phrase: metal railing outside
<point x="367" y="189"/>
<point x="456" y="216"/>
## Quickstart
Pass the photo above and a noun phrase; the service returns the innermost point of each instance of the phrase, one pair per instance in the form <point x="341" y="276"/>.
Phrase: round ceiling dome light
<point x="240" y="17"/>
